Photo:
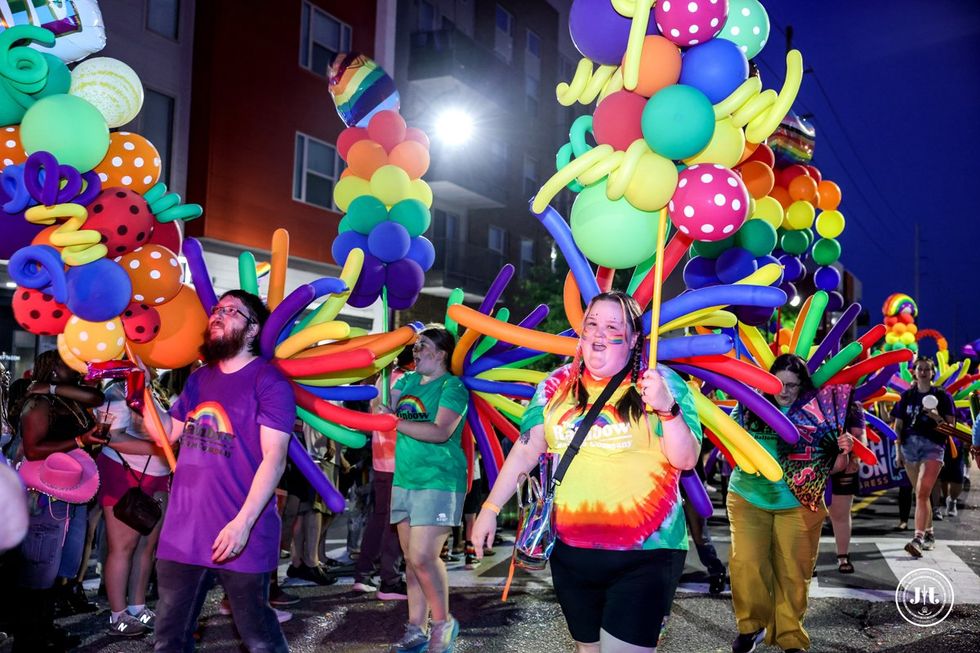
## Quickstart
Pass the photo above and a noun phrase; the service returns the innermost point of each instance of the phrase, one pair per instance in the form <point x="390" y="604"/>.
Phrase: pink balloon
<point x="689" y="22"/>
<point x="710" y="202"/>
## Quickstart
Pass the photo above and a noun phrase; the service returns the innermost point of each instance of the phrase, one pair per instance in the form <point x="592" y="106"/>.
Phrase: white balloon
<point x="77" y="25"/>
<point x="929" y="402"/>
<point x="110" y="86"/>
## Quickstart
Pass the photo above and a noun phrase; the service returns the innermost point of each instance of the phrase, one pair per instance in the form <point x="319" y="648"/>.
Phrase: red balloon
<point x="123" y="218"/>
<point x="387" y="128"/>
<point x="814" y="172"/>
<point x="140" y="322"/>
<point x="347" y="138"/>
<point x="616" y="120"/>
<point x="168" y="235"/>
<point x="789" y="173"/>
<point x="38" y="312"/>
<point x="416" y="134"/>
<point x="763" y="153"/>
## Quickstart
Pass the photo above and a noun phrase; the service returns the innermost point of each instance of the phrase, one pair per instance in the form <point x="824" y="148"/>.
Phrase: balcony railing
<point x="449" y="52"/>
<point x="460" y="264"/>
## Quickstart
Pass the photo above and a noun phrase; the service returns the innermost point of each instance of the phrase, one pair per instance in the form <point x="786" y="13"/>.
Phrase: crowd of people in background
<point x="83" y="453"/>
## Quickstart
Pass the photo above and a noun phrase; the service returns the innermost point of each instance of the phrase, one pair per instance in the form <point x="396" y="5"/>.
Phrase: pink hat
<point x="71" y="477"/>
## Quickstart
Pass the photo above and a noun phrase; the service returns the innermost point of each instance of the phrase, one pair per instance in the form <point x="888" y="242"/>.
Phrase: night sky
<point x="894" y="93"/>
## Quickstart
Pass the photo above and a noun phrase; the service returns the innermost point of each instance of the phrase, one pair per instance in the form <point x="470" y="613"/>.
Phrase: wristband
<point x="492" y="507"/>
<point x="52" y="389"/>
<point x="78" y="441"/>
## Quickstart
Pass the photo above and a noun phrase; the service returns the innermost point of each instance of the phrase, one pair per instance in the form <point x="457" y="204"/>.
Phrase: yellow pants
<point x="771" y="563"/>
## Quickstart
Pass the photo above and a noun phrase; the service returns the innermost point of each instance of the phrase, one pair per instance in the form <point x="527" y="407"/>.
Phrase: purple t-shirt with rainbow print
<point x="220" y="452"/>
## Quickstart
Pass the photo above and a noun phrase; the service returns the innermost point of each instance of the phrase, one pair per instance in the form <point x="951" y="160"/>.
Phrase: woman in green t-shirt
<point x="429" y="485"/>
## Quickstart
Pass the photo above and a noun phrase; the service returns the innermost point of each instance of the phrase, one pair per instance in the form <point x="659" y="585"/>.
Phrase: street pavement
<point x="847" y="613"/>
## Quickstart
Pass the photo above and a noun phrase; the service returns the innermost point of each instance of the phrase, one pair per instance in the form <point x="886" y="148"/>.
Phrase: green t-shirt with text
<point x="756" y="488"/>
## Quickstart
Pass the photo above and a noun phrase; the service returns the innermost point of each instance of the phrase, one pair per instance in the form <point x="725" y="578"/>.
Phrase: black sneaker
<point x="747" y="642"/>
<point x="281" y="598"/>
<point x="716" y="584"/>
<point x="315" y="575"/>
<point x="393" y="592"/>
<point x="929" y="541"/>
<point x="914" y="548"/>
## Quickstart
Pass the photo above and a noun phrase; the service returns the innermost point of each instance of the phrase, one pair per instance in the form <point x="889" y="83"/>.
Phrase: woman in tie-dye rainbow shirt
<point x="622" y="536"/>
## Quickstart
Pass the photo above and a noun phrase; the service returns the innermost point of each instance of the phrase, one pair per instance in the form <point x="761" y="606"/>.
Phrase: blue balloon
<point x="39" y="267"/>
<point x="826" y="278"/>
<point x="422" y="252"/>
<point x="699" y="272"/>
<point x="735" y="264"/>
<point x="793" y="269"/>
<point x="789" y="288"/>
<point x="345" y="242"/>
<point x="577" y="263"/>
<point x="736" y="295"/>
<point x="716" y="68"/>
<point x="714" y="344"/>
<point x="389" y="241"/>
<point x="98" y="291"/>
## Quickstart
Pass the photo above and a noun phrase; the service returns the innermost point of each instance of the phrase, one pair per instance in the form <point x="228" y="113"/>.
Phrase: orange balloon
<point x="11" y="150"/>
<point x="132" y="162"/>
<point x="747" y="151"/>
<point x="154" y="273"/>
<point x="364" y="157"/>
<point x="829" y="195"/>
<point x="781" y="195"/>
<point x="410" y="156"/>
<point x="803" y="187"/>
<point x="660" y="65"/>
<point x="182" y="325"/>
<point x="44" y="236"/>
<point x="758" y="178"/>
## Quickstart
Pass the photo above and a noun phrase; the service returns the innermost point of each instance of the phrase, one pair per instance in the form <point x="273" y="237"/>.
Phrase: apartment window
<point x="531" y="99"/>
<point x="496" y="240"/>
<point x="527" y="256"/>
<point x="503" y="37"/>
<point x="156" y="123"/>
<point x="322" y="37"/>
<point x="531" y="184"/>
<point x="317" y="168"/>
<point x="427" y="16"/>
<point x="500" y="152"/>
<point x="445" y="225"/>
<point x="163" y="17"/>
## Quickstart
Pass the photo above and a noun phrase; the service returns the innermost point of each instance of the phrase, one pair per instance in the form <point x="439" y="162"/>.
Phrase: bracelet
<point x="666" y="417"/>
<point x="492" y="507"/>
<point x="52" y="389"/>
<point x="78" y="441"/>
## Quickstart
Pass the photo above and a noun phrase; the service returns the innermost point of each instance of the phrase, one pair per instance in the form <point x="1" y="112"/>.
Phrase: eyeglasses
<point x="792" y="386"/>
<point x="228" y="311"/>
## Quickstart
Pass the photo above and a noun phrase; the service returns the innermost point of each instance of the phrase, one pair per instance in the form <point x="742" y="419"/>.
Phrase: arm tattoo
<point x="525" y="437"/>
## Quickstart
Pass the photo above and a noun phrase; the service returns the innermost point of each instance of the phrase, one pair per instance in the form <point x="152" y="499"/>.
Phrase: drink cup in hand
<point x="103" y="422"/>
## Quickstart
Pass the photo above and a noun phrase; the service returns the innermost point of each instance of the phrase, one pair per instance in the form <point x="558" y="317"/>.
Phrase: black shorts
<point x="474" y="499"/>
<point x="625" y="593"/>
<point x="844" y="483"/>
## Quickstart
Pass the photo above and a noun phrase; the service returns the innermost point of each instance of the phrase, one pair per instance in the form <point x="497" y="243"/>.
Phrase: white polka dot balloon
<point x="710" y="202"/>
<point x="95" y="341"/>
<point x="689" y="22"/>
<point x="747" y="26"/>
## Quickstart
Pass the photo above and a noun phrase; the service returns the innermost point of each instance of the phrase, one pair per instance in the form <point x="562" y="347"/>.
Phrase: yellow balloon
<point x="348" y="189"/>
<point x="830" y="224"/>
<point x="419" y="190"/>
<point x="800" y="215"/>
<point x="95" y="341"/>
<point x="907" y="338"/>
<point x="769" y="209"/>
<point x="725" y="147"/>
<point x="891" y="338"/>
<point x="390" y="184"/>
<point x="653" y="183"/>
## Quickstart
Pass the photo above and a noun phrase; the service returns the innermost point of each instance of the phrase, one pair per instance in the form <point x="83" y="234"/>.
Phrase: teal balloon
<point x="747" y="26"/>
<point x="612" y="233"/>
<point x="344" y="225"/>
<point x="794" y="242"/>
<point x="413" y="215"/>
<point x="825" y="251"/>
<point x="714" y="248"/>
<point x="59" y="77"/>
<point x="757" y="236"/>
<point x="68" y="127"/>
<point x="678" y="121"/>
<point x="366" y="212"/>
<point x="16" y="99"/>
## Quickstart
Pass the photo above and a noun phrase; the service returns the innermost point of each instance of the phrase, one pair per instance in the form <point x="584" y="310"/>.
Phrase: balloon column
<point x="382" y="191"/>
<point x="900" y="312"/>
<point x="91" y="236"/>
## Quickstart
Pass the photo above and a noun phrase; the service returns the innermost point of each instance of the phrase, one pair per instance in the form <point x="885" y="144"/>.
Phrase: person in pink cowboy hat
<point x="56" y="427"/>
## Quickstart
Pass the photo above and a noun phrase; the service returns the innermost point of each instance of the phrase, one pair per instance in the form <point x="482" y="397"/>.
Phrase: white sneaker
<point x="951" y="510"/>
<point x="365" y="587"/>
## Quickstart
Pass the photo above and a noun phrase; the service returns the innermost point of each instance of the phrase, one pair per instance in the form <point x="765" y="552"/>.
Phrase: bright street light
<point x="795" y="301"/>
<point x="454" y="127"/>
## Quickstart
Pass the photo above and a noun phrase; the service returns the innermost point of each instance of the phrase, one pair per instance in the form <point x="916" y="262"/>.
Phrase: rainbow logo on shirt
<point x="608" y="431"/>
<point x="411" y="407"/>
<point x="211" y="415"/>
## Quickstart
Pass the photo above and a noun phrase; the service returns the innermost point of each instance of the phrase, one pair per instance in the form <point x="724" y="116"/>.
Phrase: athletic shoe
<point x="937" y="514"/>
<point x="470" y="560"/>
<point x="746" y="643"/>
<point x="393" y="592"/>
<point x="951" y="509"/>
<point x="282" y="616"/>
<point x="914" y="548"/>
<point x="281" y="598"/>
<point x="413" y="641"/>
<point x="147" y="617"/>
<point x="364" y="585"/>
<point x="442" y="637"/>
<point x="310" y="575"/>
<point x="716" y="584"/>
<point x="929" y="541"/>
<point x="127" y="626"/>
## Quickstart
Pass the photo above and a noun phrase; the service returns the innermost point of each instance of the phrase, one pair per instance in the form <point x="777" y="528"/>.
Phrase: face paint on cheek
<point x="616" y="340"/>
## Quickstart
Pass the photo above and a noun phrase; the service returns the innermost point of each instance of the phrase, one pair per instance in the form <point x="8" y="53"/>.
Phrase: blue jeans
<point x="54" y="541"/>
<point x="183" y="589"/>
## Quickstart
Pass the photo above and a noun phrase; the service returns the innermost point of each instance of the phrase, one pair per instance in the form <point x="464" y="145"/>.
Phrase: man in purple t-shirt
<point x="233" y="420"/>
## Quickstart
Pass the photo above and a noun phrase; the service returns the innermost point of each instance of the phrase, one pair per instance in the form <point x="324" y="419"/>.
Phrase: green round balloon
<point x="825" y="251"/>
<point x="757" y="236"/>
<point x="411" y="214"/>
<point x="68" y="127"/>
<point x="808" y="233"/>
<point x="365" y="212"/>
<point x="610" y="233"/>
<point x="747" y="26"/>
<point x="794" y="242"/>
<point x="678" y="121"/>
<point x="344" y="225"/>
<point x="712" y="248"/>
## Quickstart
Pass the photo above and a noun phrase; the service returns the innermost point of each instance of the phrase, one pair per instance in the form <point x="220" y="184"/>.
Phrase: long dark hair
<point x="784" y="363"/>
<point x="443" y="340"/>
<point x="630" y="405"/>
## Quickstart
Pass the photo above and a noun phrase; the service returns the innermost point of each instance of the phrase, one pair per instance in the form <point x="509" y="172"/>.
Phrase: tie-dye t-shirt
<point x="620" y="493"/>
<point x="430" y="465"/>
<point x="220" y="451"/>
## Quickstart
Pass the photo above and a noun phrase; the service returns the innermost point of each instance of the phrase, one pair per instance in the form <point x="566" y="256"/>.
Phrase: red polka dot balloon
<point x="39" y="313"/>
<point x="141" y="323"/>
<point x="123" y="218"/>
<point x="710" y="202"/>
<point x="689" y="22"/>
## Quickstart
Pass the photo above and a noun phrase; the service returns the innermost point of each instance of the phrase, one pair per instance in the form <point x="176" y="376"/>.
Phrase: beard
<point x="216" y="349"/>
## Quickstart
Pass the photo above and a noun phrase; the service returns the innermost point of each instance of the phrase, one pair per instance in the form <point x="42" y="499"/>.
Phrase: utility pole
<point x="915" y="265"/>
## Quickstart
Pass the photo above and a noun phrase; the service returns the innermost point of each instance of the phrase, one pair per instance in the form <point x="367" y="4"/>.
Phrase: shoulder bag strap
<point x="585" y="425"/>
<point x="139" y="481"/>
